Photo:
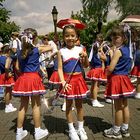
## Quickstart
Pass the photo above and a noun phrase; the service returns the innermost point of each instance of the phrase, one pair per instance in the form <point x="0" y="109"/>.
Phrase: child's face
<point x="117" y="40"/>
<point x="70" y="37"/>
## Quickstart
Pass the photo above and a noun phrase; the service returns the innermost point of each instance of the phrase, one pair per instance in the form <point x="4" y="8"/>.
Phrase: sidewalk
<point x="96" y="120"/>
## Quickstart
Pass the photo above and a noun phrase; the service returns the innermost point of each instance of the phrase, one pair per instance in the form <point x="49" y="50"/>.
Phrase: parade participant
<point x="96" y="74"/>
<point x="15" y="42"/>
<point x="74" y="88"/>
<point x="50" y="55"/>
<point x="119" y="85"/>
<point x="6" y="77"/>
<point x="136" y="55"/>
<point x="109" y="54"/>
<point x="29" y="84"/>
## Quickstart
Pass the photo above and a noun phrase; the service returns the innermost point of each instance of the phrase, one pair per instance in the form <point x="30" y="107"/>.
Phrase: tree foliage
<point x="6" y="26"/>
<point x="128" y="7"/>
<point x="95" y="12"/>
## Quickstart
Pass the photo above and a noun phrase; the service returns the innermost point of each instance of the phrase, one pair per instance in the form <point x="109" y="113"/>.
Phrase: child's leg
<point x="8" y="95"/>
<point x="69" y="111"/>
<point x="126" y="117"/>
<point x="20" y="134"/>
<point x="22" y="110"/>
<point x="36" y="110"/>
<point x="39" y="133"/>
<point x="80" y="114"/>
<point x="9" y="107"/>
<point x="138" y="89"/>
<point x="72" y="132"/>
<point x="118" y="103"/>
<point x="114" y="132"/>
<point x="94" y="92"/>
<point x="126" y="114"/>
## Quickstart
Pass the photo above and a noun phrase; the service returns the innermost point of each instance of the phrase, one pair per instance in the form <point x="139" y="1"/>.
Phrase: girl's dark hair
<point x="26" y="49"/>
<point x="119" y="31"/>
<point x="5" y="49"/>
<point x="70" y="26"/>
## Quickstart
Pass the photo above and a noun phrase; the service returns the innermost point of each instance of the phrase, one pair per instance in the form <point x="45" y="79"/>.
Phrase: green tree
<point x="6" y="26"/>
<point x="97" y="10"/>
<point x="128" y="7"/>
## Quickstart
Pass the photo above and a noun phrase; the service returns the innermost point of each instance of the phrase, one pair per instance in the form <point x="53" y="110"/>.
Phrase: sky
<point x="37" y="13"/>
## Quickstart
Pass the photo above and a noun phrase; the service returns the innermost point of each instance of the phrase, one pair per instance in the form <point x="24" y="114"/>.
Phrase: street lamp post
<point x="54" y="15"/>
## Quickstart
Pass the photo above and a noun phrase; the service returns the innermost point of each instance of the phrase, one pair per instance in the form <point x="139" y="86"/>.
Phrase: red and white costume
<point x="5" y="81"/>
<point x="72" y="74"/>
<point x="119" y="84"/>
<point x="29" y="82"/>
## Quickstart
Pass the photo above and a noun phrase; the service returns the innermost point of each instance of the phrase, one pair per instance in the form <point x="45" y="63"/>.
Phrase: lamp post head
<point x="54" y="14"/>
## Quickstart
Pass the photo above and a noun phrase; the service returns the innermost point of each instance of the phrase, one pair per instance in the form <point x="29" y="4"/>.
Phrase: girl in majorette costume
<point x="6" y="77"/>
<point x="119" y="85"/>
<point x="54" y="79"/>
<point x="96" y="74"/>
<point x="29" y="84"/>
<point x="136" y="55"/>
<point x="73" y="85"/>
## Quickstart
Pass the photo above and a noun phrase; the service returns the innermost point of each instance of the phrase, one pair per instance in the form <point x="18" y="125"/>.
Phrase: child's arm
<point x="44" y="48"/>
<point x="84" y="59"/>
<point x="43" y="72"/>
<point x="117" y="54"/>
<point x="7" y="67"/>
<point x="102" y="57"/>
<point x="60" y="72"/>
<point x="102" y="54"/>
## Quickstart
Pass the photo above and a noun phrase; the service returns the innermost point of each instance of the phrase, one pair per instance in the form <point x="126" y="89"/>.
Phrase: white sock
<point x="37" y="129"/>
<point x="19" y="130"/>
<point x="71" y="127"/>
<point x="94" y="100"/>
<point x="116" y="128"/>
<point x="124" y="126"/>
<point x="80" y="124"/>
<point x="8" y="105"/>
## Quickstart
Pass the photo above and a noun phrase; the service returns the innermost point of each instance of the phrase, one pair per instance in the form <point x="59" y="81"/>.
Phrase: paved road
<point x="96" y="120"/>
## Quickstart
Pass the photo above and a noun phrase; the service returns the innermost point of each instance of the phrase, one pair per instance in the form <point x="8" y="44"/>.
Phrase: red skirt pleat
<point x="54" y="79"/>
<point x="78" y="90"/>
<point x="98" y="74"/>
<point x="119" y="86"/>
<point x="7" y="82"/>
<point x="28" y="84"/>
<point x="135" y="71"/>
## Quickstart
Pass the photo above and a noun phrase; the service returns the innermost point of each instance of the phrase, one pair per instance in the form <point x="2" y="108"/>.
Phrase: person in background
<point x="15" y="45"/>
<point x="29" y="84"/>
<point x="15" y="42"/>
<point x="119" y="85"/>
<point x="50" y="55"/>
<point x="96" y="74"/>
<point x="74" y="87"/>
<point x="6" y="77"/>
<point x="136" y="55"/>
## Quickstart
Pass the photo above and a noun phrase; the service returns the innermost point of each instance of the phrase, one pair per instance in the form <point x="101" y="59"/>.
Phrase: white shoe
<point x="73" y="135"/>
<point x="96" y="103"/>
<point x="64" y="107"/>
<point x="21" y="135"/>
<point x="137" y="96"/>
<point x="9" y="108"/>
<point x="82" y="134"/>
<point x="41" y="134"/>
<point x="108" y="101"/>
<point x="133" y="80"/>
